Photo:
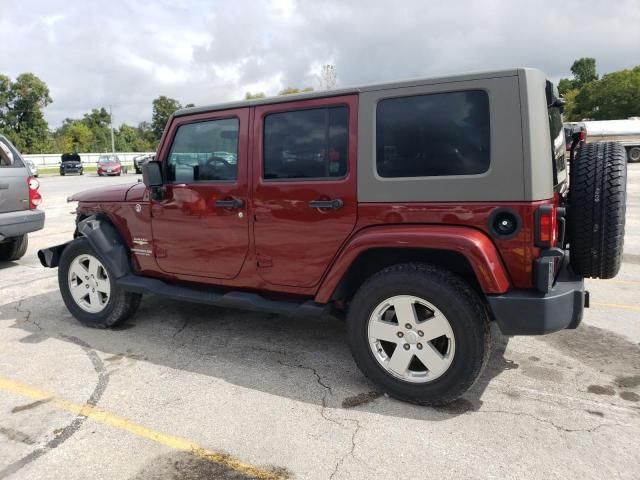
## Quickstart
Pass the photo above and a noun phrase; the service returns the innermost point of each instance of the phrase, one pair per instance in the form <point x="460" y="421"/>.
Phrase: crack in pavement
<point x="324" y="414"/>
<point x="76" y="423"/>
<point x="559" y="428"/>
<point x="27" y="313"/>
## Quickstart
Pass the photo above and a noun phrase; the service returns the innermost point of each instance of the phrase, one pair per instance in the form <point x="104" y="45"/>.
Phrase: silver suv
<point x="19" y="199"/>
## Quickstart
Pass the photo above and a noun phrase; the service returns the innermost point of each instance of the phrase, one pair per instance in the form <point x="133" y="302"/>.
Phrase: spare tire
<point x="597" y="203"/>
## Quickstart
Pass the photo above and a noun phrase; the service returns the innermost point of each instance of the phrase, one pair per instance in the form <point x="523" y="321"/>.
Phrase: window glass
<point x="9" y="156"/>
<point x="433" y="135"/>
<point x="306" y="143"/>
<point x="205" y="151"/>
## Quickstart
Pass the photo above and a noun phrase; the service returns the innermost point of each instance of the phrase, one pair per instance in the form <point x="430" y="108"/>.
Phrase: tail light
<point x="583" y="135"/>
<point x="546" y="227"/>
<point x="35" y="198"/>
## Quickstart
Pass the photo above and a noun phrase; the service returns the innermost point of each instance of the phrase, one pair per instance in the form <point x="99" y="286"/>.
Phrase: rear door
<point x="14" y="189"/>
<point x="304" y="159"/>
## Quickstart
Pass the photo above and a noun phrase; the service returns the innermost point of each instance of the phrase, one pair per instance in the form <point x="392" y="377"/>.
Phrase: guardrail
<point x="86" y="158"/>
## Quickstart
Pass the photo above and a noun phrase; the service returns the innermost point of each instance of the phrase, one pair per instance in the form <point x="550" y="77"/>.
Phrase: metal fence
<point x="86" y="158"/>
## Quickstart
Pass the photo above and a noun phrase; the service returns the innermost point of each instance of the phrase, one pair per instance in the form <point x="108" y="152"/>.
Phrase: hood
<point x="112" y="193"/>
<point x="71" y="162"/>
<point x="108" y="165"/>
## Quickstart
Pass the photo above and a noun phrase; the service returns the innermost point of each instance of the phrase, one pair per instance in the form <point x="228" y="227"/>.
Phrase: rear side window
<point x="306" y="144"/>
<point x="433" y="135"/>
<point x="9" y="156"/>
<point x="205" y="151"/>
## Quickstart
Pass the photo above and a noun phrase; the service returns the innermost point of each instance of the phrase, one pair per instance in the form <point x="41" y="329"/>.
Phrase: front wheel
<point x="419" y="332"/>
<point x="89" y="290"/>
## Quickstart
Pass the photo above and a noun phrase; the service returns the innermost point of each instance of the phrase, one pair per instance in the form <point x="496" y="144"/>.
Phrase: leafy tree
<point x="291" y="90"/>
<point x="21" y="117"/>
<point x="252" y="96"/>
<point x="128" y="139"/>
<point x="615" y="95"/>
<point x="584" y="71"/>
<point x="99" y="122"/>
<point x="77" y="137"/>
<point x="163" y="108"/>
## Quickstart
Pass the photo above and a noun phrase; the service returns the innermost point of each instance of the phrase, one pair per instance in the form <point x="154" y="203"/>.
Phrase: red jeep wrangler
<point x="421" y="210"/>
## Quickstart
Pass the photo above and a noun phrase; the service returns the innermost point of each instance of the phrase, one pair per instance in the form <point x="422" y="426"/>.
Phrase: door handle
<point x="229" y="203"/>
<point x="334" y="204"/>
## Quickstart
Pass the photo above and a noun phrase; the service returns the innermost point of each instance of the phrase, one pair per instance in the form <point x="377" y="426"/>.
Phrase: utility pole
<point x="113" y="144"/>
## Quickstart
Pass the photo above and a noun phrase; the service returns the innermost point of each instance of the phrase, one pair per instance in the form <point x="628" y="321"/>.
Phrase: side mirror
<point x="152" y="174"/>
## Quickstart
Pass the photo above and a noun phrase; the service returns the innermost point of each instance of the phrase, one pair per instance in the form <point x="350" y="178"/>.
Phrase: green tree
<point x="292" y="90"/>
<point x="21" y="117"/>
<point x="584" y="71"/>
<point x="253" y="96"/>
<point x="77" y="137"/>
<point x="163" y="108"/>
<point x="99" y="122"/>
<point x="616" y="95"/>
<point x="129" y="139"/>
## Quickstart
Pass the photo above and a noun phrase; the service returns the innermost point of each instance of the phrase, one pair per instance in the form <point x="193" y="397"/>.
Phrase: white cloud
<point x="125" y="53"/>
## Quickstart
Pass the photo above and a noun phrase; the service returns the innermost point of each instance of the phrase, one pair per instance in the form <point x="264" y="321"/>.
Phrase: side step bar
<point x="239" y="300"/>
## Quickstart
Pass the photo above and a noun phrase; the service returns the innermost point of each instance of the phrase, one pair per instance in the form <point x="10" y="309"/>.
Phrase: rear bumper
<point x="528" y="312"/>
<point x="14" y="224"/>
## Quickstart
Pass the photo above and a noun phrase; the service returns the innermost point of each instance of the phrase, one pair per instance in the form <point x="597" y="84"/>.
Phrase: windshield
<point x="109" y="159"/>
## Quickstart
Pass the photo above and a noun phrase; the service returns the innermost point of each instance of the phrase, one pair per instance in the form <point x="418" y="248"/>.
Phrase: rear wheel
<point x="419" y="332"/>
<point x="597" y="203"/>
<point x="89" y="290"/>
<point x="14" y="248"/>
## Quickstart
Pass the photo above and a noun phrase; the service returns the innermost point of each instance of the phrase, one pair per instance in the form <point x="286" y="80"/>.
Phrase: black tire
<point x="121" y="304"/>
<point x="633" y="154"/>
<point x="597" y="204"/>
<point x="14" y="248"/>
<point x="463" y="309"/>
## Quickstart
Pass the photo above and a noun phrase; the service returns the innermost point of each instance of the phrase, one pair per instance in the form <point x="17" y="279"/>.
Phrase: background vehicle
<point x="33" y="168"/>
<point x="139" y="160"/>
<point x="625" y="132"/>
<point x="110" y="165"/>
<point x="70" y="163"/>
<point x="19" y="199"/>
<point x="421" y="211"/>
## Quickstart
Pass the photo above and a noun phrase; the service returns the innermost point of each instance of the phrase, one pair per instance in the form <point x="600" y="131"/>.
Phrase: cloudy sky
<point x="124" y="53"/>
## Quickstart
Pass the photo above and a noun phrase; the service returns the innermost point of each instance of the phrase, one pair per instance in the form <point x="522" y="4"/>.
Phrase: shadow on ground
<point x="304" y="359"/>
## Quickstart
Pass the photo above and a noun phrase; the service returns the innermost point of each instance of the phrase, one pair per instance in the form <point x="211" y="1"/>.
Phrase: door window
<point x="306" y="144"/>
<point x="205" y="152"/>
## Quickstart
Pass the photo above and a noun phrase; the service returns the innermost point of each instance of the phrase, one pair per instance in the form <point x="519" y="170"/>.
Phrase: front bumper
<point x="529" y="312"/>
<point x="14" y="224"/>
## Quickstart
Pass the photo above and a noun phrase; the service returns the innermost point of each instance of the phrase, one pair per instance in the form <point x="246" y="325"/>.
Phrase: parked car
<point x="419" y="211"/>
<point x="19" y="200"/>
<point x="110" y="165"/>
<point x="33" y="168"/>
<point x="71" y="163"/>
<point x="139" y="160"/>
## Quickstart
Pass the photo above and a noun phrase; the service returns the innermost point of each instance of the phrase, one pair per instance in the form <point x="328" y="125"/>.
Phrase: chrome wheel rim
<point x="411" y="339"/>
<point x="89" y="283"/>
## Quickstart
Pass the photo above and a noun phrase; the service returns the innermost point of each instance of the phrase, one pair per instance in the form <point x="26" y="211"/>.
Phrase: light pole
<point x="113" y="144"/>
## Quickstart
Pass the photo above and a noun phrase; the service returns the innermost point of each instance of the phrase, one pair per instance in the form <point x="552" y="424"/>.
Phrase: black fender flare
<point x="105" y="240"/>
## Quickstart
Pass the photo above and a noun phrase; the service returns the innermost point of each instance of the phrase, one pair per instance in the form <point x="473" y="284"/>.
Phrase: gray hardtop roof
<point x="344" y="91"/>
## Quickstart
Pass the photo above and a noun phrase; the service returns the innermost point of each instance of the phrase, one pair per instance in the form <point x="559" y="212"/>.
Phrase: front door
<point x="305" y="186"/>
<point x="201" y="227"/>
